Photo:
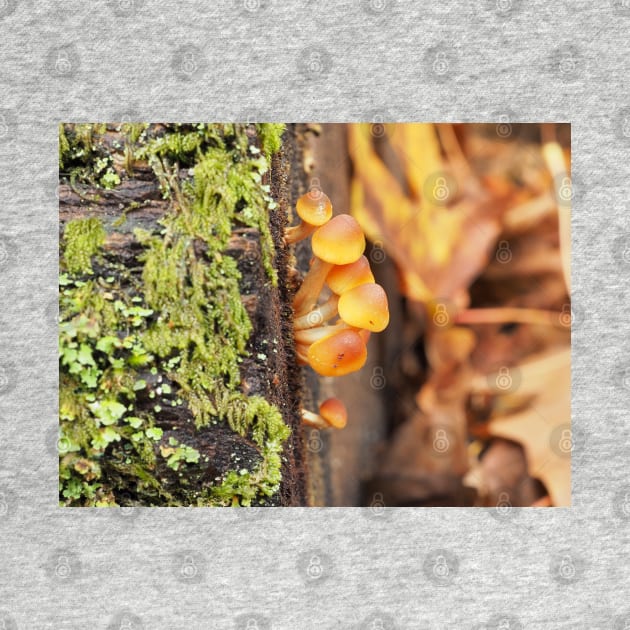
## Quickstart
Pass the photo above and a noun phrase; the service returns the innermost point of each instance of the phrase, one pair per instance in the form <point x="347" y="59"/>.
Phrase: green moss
<point x="133" y="131"/>
<point x="182" y="320"/>
<point x="270" y="137"/>
<point x="180" y="146"/>
<point x="64" y="146"/>
<point x="83" y="238"/>
<point x="100" y="349"/>
<point x="83" y="158"/>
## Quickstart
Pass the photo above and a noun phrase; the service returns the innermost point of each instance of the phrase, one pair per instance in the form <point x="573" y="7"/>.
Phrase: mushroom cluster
<point x="338" y="304"/>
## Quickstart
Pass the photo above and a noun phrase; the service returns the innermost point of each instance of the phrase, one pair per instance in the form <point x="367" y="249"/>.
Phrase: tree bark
<point x="102" y="177"/>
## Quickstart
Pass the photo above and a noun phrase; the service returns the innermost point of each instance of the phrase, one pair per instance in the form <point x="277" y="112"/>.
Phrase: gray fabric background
<point x="330" y="61"/>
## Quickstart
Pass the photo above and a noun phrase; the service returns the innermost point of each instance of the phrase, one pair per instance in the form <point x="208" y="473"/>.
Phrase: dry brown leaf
<point x="501" y="476"/>
<point x="556" y="163"/>
<point x="440" y="249"/>
<point x="439" y="246"/>
<point x="542" y="429"/>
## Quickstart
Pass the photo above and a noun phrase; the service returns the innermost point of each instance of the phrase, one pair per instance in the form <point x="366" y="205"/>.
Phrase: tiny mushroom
<point x="338" y="242"/>
<point x="365" y="306"/>
<point x="314" y="209"/>
<point x="340" y="279"/>
<point x="338" y="354"/>
<point x="363" y="309"/>
<point x="332" y="413"/>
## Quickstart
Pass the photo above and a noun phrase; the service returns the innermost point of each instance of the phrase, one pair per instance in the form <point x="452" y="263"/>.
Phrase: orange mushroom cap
<point x="314" y="207"/>
<point x="338" y="354"/>
<point x="365" y="306"/>
<point x="340" y="241"/>
<point x="342" y="278"/>
<point x="334" y="412"/>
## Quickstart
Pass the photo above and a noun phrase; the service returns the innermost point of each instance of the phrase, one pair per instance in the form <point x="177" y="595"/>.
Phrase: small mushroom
<point x="314" y="209"/>
<point x="338" y="242"/>
<point x="338" y="354"/>
<point x="365" y="306"/>
<point x="342" y="278"/>
<point x="332" y="414"/>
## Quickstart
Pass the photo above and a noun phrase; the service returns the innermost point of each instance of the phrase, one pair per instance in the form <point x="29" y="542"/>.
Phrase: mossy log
<point x="178" y="379"/>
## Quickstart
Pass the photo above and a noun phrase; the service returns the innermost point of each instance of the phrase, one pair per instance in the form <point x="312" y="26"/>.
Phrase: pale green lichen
<point x="183" y="320"/>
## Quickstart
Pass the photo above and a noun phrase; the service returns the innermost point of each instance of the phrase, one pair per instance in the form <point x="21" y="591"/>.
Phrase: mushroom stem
<point x="313" y="420"/>
<point x="315" y="209"/>
<point x="319" y="315"/>
<point x="307" y="295"/>
<point x="298" y="232"/>
<point x="308" y="336"/>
